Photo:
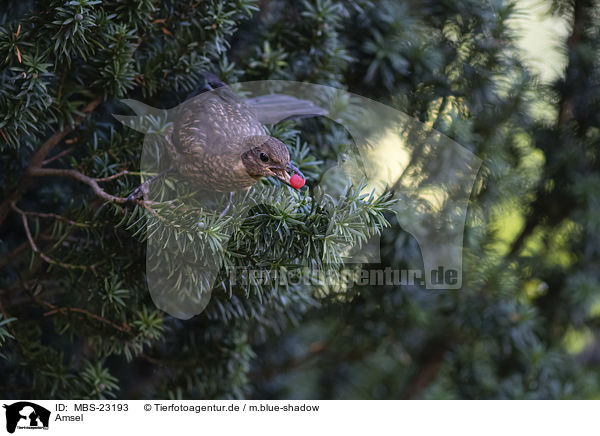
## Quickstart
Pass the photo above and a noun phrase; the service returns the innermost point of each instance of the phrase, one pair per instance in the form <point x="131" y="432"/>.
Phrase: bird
<point x="218" y="141"/>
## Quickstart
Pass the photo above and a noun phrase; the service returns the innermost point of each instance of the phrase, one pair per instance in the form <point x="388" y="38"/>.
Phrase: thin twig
<point x="4" y="136"/>
<point x="35" y="248"/>
<point x="9" y="257"/>
<point x="92" y="182"/>
<point x="38" y="159"/>
<point x="63" y="310"/>
<point x="114" y="176"/>
<point x="146" y="206"/>
<point x="74" y="174"/>
<point x="152" y="360"/>
<point x="50" y="215"/>
<point x="58" y="156"/>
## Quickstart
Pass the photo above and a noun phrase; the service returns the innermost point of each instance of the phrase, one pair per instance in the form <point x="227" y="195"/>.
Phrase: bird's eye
<point x="264" y="157"/>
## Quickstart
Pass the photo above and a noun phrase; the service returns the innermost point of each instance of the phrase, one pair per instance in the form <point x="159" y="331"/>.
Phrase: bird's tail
<point x="273" y="108"/>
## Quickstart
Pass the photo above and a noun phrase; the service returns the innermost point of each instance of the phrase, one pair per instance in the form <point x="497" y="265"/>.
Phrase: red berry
<point x="296" y="181"/>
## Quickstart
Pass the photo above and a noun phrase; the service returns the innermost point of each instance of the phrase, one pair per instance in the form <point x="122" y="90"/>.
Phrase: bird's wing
<point x="273" y="108"/>
<point x="213" y="123"/>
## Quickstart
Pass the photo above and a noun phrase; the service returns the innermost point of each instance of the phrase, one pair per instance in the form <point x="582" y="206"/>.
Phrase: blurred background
<point x="514" y="82"/>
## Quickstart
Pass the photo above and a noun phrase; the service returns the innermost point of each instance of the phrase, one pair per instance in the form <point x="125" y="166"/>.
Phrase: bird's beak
<point x="283" y="174"/>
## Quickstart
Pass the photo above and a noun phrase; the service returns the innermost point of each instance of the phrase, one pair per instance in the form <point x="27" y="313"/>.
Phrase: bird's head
<point x="268" y="157"/>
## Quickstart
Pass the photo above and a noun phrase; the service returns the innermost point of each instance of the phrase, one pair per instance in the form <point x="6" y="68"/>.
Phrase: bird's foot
<point x="222" y="214"/>
<point x="137" y="194"/>
<point x="143" y="188"/>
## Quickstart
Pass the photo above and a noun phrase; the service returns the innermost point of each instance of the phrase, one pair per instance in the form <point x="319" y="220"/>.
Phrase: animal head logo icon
<point x="26" y="415"/>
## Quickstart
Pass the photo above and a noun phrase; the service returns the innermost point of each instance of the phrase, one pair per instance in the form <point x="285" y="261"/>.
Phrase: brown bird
<point x="219" y="143"/>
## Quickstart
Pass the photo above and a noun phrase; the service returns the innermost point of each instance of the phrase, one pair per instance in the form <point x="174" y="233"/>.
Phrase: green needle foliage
<point x="76" y="318"/>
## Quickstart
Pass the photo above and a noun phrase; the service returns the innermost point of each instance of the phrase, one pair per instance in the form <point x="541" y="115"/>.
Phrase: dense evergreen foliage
<point x="76" y="317"/>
